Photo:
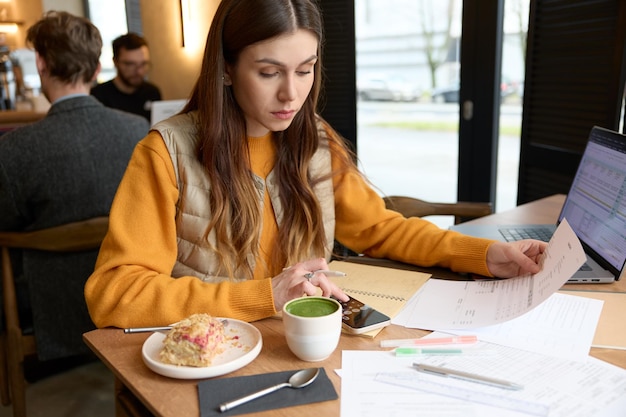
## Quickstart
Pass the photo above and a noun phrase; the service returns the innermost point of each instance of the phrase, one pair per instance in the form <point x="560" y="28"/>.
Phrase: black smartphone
<point x="360" y="318"/>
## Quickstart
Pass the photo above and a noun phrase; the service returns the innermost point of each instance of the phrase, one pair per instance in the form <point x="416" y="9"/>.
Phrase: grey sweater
<point x="64" y="168"/>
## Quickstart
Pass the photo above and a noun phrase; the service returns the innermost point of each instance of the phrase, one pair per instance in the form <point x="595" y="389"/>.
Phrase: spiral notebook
<point x="384" y="289"/>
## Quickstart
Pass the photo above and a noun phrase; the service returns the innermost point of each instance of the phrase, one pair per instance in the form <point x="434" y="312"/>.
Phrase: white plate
<point x="243" y="345"/>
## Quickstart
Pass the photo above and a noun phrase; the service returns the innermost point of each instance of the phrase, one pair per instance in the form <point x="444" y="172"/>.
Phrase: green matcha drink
<point x="312" y="307"/>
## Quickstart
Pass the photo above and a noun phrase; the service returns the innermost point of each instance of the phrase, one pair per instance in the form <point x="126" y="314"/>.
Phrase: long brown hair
<point x="224" y="149"/>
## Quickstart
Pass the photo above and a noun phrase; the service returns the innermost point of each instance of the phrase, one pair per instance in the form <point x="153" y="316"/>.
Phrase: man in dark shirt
<point x="129" y="91"/>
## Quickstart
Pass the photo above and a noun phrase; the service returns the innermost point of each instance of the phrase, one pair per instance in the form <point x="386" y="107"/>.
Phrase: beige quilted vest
<point x="193" y="213"/>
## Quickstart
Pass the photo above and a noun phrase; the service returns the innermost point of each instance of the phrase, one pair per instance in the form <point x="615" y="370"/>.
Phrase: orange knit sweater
<point x="132" y="284"/>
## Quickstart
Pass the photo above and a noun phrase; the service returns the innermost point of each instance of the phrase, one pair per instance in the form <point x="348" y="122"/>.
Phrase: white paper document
<point x="376" y="383"/>
<point x="363" y="396"/>
<point x="446" y="304"/>
<point x="562" y="326"/>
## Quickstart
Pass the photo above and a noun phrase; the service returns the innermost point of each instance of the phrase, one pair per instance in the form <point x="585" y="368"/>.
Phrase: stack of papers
<point x="381" y="384"/>
<point x="537" y="338"/>
<point x="563" y="327"/>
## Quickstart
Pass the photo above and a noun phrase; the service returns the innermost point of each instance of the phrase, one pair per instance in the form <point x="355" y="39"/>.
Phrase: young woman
<point x="226" y="207"/>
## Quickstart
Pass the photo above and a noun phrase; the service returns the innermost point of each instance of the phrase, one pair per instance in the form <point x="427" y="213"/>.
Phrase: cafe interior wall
<point x="175" y="66"/>
<point x="27" y="12"/>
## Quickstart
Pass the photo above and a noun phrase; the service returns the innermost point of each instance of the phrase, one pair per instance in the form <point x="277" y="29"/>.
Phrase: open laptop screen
<point x="595" y="206"/>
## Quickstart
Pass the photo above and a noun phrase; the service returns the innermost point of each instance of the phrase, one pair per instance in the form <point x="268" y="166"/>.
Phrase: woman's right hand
<point x="292" y="283"/>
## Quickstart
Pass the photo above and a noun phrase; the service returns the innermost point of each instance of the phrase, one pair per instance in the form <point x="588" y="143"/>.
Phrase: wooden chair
<point x="16" y="344"/>
<point x="461" y="210"/>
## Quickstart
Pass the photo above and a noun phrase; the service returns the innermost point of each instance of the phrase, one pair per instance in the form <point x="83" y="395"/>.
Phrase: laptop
<point x="595" y="208"/>
<point x="162" y="109"/>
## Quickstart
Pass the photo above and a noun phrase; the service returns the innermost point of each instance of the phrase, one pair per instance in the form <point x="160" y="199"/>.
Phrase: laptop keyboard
<point x="538" y="233"/>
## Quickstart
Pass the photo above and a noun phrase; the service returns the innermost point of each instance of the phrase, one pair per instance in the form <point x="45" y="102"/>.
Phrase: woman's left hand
<point x="506" y="260"/>
<point x="295" y="282"/>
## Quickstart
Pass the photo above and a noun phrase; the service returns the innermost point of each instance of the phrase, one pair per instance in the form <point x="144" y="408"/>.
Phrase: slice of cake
<point x="194" y="341"/>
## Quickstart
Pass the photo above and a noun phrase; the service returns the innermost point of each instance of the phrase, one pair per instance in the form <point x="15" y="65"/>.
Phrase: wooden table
<point x="139" y="391"/>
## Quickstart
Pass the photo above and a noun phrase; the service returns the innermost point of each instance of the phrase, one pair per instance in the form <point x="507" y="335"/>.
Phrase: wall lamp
<point x="8" y="27"/>
<point x="185" y="21"/>
<point x="189" y="24"/>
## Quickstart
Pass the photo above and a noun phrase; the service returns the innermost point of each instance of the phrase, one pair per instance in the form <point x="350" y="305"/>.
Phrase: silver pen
<point x="466" y="376"/>
<point x="326" y="272"/>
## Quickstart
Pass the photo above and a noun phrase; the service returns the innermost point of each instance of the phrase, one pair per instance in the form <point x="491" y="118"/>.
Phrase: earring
<point x="226" y="80"/>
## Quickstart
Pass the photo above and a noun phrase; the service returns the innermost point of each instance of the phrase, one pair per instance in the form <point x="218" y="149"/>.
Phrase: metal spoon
<point x="298" y="380"/>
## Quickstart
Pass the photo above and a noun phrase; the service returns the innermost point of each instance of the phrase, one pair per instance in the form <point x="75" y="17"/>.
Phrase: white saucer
<point x="243" y="345"/>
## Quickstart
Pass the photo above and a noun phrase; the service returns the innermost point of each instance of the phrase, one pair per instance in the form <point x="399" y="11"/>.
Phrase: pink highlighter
<point x="452" y="340"/>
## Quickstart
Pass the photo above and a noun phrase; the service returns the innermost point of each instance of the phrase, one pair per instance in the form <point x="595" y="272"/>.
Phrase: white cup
<point x="312" y="327"/>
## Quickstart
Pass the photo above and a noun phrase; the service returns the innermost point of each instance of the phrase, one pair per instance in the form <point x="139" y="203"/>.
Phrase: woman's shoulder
<point x="152" y="143"/>
<point x="179" y="131"/>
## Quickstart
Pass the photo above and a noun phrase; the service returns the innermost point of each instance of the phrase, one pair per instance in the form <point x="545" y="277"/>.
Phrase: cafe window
<point x="113" y="18"/>
<point x="408" y="61"/>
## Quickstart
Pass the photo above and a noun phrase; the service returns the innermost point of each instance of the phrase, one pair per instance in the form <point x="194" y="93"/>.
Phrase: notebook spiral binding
<point x="374" y="294"/>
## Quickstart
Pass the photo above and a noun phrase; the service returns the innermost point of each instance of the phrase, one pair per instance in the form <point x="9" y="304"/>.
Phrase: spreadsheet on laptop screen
<point x="595" y="206"/>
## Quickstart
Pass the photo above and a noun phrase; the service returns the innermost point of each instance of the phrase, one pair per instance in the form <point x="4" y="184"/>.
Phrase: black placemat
<point x="214" y="392"/>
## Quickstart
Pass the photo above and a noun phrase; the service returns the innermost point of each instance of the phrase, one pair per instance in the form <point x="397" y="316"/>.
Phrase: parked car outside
<point x="447" y="94"/>
<point x="387" y="89"/>
<point x="508" y="87"/>
<point x="450" y="94"/>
